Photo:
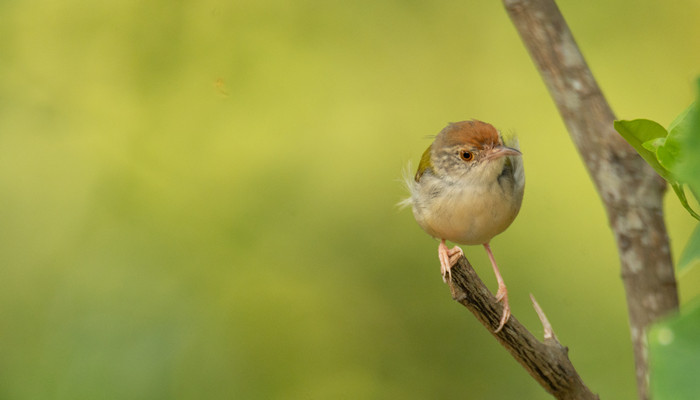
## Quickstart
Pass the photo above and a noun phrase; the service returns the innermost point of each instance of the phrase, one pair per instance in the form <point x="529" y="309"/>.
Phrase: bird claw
<point x="502" y="295"/>
<point x="448" y="259"/>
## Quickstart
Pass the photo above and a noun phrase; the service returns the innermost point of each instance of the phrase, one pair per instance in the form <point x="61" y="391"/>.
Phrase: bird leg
<point x="502" y="293"/>
<point x="448" y="258"/>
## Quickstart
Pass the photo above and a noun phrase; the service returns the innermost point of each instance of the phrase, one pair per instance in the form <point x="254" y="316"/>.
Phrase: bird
<point x="468" y="188"/>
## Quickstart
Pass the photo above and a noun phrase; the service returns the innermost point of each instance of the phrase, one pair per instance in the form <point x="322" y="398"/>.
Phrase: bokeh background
<point x="197" y="198"/>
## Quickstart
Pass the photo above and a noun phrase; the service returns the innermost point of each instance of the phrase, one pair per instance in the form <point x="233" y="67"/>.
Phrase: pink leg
<point x="448" y="258"/>
<point x="502" y="293"/>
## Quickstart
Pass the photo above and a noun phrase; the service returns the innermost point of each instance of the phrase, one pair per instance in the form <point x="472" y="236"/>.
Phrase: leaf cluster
<point x="674" y="153"/>
<point x="667" y="151"/>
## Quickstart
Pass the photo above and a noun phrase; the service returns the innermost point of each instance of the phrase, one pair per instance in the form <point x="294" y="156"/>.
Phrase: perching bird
<point x="468" y="189"/>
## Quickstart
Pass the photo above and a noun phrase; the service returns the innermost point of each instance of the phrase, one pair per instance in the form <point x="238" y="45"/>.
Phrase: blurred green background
<point x="197" y="198"/>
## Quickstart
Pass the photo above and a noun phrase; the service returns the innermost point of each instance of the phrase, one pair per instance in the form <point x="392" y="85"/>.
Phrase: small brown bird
<point x="468" y="189"/>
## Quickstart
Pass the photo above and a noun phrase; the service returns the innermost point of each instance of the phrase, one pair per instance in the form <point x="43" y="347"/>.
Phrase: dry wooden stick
<point x="548" y="361"/>
<point x="631" y="191"/>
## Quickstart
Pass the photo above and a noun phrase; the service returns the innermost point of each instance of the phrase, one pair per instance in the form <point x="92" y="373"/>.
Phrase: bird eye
<point x="466" y="155"/>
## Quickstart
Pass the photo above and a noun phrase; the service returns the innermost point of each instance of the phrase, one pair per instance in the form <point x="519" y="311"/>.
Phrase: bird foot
<point x="502" y="295"/>
<point x="448" y="259"/>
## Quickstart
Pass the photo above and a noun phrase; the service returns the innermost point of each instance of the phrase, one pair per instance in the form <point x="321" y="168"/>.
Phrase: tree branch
<point x="631" y="191"/>
<point x="548" y="362"/>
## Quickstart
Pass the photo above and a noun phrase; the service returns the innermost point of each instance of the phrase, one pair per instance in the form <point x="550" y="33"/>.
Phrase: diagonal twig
<point x="548" y="362"/>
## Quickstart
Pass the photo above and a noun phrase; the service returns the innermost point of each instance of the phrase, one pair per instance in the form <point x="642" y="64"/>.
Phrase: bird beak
<point x="501" y="151"/>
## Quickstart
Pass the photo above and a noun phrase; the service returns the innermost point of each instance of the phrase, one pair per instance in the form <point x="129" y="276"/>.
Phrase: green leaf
<point x="669" y="152"/>
<point x="691" y="253"/>
<point x="674" y="148"/>
<point x="640" y="131"/>
<point x="682" y="122"/>
<point x="654" y="144"/>
<point x="674" y="154"/>
<point x="688" y="168"/>
<point x="674" y="345"/>
<point x="678" y="188"/>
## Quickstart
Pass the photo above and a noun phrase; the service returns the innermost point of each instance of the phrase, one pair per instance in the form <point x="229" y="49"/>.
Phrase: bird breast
<point x="469" y="213"/>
